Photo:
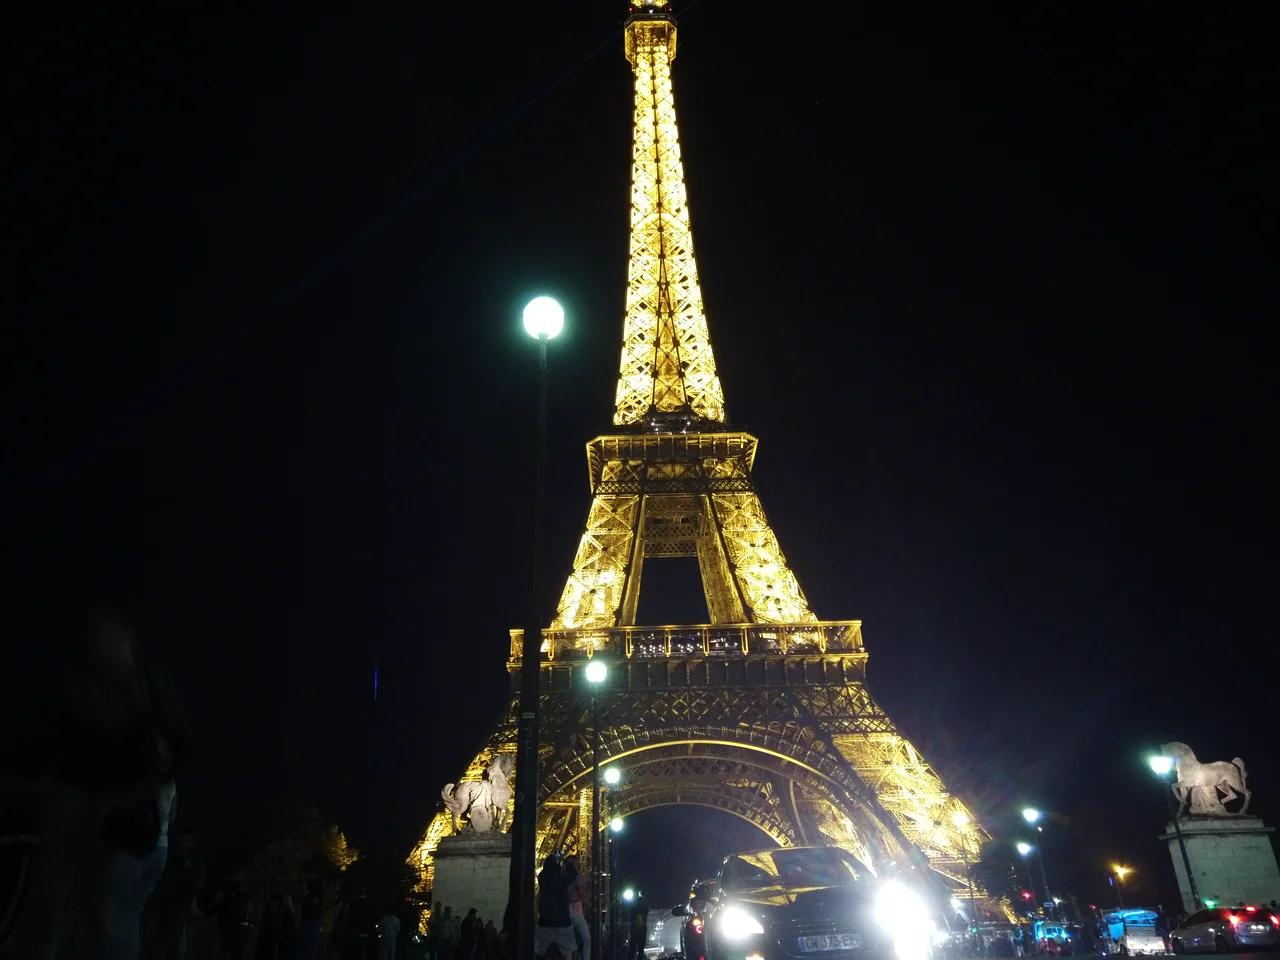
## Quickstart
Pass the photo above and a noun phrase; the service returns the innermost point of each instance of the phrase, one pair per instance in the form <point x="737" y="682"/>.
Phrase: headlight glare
<point x="737" y="924"/>
<point x="905" y="917"/>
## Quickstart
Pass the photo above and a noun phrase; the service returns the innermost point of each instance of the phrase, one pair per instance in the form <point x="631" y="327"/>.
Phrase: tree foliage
<point x="290" y="845"/>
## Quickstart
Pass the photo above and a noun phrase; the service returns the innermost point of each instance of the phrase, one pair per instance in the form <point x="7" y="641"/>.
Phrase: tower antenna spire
<point x="667" y="375"/>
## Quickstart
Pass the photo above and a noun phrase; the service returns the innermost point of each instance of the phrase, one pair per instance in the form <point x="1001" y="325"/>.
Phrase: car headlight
<point x="737" y="924"/>
<point x="905" y="917"/>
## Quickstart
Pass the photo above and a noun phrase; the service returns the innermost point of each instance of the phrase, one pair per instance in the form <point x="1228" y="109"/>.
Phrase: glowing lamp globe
<point x="543" y="318"/>
<point x="960" y="819"/>
<point x="616" y="824"/>
<point x="629" y="894"/>
<point x="1160" y="766"/>
<point x="596" y="671"/>
<point x="1030" y="814"/>
<point x="612" y="775"/>
<point x="1023" y="847"/>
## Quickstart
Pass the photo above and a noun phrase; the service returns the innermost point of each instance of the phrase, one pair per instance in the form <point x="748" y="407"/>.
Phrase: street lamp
<point x="543" y="320"/>
<point x="596" y="672"/>
<point x="616" y="824"/>
<point x="1121" y="873"/>
<point x="1162" y="766"/>
<point x="611" y="776"/>
<point x="1033" y="817"/>
<point x="961" y="820"/>
<point x="1023" y="847"/>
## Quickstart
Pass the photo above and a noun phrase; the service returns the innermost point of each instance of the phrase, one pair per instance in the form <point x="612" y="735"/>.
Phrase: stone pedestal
<point x="474" y="870"/>
<point x="1231" y="859"/>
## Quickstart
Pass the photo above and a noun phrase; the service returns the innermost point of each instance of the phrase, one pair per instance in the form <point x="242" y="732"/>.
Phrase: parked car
<point x="1220" y="929"/>
<point x="793" y="903"/>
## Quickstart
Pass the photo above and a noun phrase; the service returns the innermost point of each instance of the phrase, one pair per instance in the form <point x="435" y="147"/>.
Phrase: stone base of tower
<point x="473" y="870"/>
<point x="1231" y="858"/>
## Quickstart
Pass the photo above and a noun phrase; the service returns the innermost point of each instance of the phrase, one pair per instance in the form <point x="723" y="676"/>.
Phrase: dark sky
<point x="990" y="284"/>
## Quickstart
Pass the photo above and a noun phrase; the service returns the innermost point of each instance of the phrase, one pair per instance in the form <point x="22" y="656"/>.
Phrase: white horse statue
<point x="482" y="802"/>
<point x="1200" y="782"/>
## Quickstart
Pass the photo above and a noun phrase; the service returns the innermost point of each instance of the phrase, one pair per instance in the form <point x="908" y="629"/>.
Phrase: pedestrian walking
<point x="110" y="752"/>
<point x="579" y="895"/>
<point x="553" y="935"/>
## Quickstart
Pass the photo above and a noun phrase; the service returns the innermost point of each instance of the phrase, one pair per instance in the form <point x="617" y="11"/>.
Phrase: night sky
<point x="991" y="285"/>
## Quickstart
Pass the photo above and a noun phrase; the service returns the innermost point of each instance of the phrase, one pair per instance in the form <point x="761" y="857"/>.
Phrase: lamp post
<point x="1033" y="817"/>
<point x="543" y="320"/>
<point x="616" y="826"/>
<point x="961" y="820"/>
<point x="1121" y="873"/>
<point x="596" y="672"/>
<point x="1162" y="766"/>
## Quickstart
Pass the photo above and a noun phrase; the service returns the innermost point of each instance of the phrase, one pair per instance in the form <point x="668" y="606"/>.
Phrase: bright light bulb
<point x="596" y="671"/>
<point x="1160" y="765"/>
<point x="612" y="775"/>
<point x="543" y="318"/>
<point x="1023" y="847"/>
<point x="1030" y="814"/>
<point x="616" y="824"/>
<point x="960" y="819"/>
<point x="628" y="894"/>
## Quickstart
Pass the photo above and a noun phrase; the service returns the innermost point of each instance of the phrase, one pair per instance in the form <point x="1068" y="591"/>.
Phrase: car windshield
<point x="795" y="867"/>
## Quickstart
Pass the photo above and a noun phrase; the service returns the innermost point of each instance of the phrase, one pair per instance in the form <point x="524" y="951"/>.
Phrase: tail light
<point x="696" y="923"/>
<point x="1233" y="919"/>
<point x="1275" y="920"/>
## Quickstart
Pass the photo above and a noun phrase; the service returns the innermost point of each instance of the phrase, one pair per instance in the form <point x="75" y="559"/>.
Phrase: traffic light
<point x="1026" y="894"/>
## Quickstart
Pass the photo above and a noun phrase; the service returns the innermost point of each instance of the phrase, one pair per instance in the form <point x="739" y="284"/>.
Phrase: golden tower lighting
<point x="762" y="712"/>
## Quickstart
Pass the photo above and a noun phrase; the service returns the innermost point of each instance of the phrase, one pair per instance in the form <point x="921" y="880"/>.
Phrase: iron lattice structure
<point x="762" y="713"/>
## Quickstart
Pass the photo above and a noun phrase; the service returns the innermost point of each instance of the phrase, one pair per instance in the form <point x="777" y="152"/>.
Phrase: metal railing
<point x="698" y="640"/>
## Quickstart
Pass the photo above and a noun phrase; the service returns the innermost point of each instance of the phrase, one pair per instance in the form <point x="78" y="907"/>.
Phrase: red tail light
<point x="1275" y="920"/>
<point x="1233" y="919"/>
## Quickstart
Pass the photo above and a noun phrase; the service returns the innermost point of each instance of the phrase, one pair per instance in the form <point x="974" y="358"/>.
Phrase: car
<point x="805" y="903"/>
<point x="1132" y="931"/>
<point x="662" y="932"/>
<point x="693" y="941"/>
<point x="1219" y="929"/>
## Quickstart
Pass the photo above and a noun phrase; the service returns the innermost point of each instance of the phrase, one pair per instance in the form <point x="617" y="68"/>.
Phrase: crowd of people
<point x="471" y="937"/>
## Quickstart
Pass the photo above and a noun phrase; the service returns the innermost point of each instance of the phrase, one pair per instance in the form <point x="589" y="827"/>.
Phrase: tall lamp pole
<point x="1121" y="873"/>
<point x="1033" y="816"/>
<point x="1162" y="767"/>
<point x="596" y="672"/>
<point x="615" y="827"/>
<point x="543" y="320"/>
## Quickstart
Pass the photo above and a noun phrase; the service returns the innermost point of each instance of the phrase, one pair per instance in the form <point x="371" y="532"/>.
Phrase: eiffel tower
<point x="762" y="713"/>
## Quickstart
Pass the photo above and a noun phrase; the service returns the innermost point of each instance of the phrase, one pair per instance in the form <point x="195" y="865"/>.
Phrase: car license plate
<point x="833" y="941"/>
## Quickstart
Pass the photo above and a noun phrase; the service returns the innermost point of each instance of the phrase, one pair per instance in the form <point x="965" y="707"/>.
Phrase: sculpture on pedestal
<point x="482" y="803"/>
<point x="1199" y="783"/>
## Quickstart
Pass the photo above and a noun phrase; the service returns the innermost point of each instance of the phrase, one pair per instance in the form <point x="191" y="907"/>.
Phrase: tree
<point x="291" y="844"/>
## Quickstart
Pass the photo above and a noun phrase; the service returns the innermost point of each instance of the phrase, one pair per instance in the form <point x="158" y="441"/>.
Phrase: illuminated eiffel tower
<point x="763" y="712"/>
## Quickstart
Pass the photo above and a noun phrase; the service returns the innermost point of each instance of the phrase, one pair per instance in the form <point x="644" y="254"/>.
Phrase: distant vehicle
<point x="662" y="932"/>
<point x="1220" y="929"/>
<point x="1132" y="931"/>
<point x="1052" y="937"/>
<point x="791" y="903"/>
